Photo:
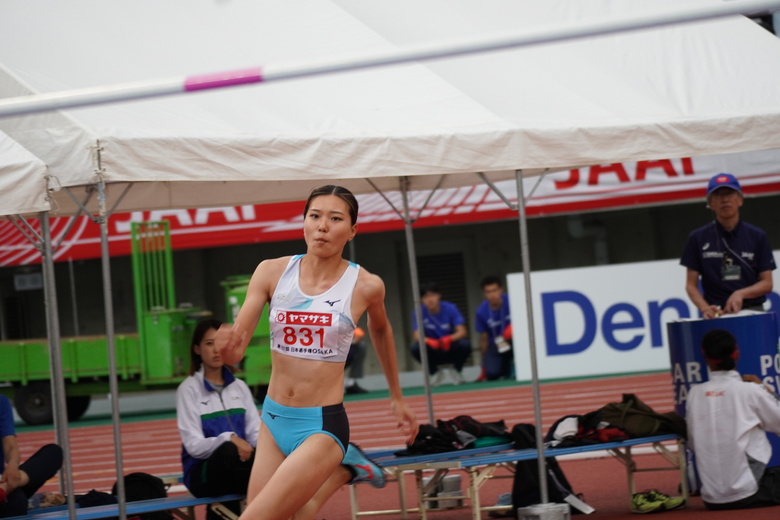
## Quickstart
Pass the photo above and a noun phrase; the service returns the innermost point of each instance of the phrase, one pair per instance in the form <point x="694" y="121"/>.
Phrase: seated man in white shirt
<point x="728" y="417"/>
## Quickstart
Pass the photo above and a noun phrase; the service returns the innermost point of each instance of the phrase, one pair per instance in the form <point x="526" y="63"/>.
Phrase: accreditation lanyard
<point x="502" y="316"/>
<point x="730" y="271"/>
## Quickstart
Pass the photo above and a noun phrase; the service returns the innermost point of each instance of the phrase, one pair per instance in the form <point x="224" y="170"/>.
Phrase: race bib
<point x="312" y="334"/>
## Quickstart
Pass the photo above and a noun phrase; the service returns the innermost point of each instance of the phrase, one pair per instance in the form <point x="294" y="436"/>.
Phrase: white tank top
<point x="312" y="327"/>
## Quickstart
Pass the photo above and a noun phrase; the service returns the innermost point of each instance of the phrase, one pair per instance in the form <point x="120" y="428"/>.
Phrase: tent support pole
<point x="408" y="221"/>
<point x="112" y="378"/>
<point x="416" y="296"/>
<point x="59" y="402"/>
<point x="73" y="300"/>
<point x="525" y="252"/>
<point x="26" y="229"/>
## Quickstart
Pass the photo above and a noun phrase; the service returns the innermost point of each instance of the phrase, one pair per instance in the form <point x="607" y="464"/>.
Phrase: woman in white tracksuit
<point x="218" y="422"/>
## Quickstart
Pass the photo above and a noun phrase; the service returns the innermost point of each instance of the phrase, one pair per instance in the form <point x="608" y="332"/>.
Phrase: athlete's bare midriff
<point x="304" y="383"/>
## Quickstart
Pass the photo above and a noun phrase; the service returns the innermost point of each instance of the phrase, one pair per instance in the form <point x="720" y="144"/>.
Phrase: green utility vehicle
<point x="156" y="357"/>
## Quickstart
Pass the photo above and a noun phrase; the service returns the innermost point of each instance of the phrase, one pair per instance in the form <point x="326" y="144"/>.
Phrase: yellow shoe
<point x="669" y="502"/>
<point x="642" y="503"/>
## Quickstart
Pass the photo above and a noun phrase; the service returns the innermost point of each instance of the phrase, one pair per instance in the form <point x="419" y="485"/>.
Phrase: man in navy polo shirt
<point x="732" y="257"/>
<point x="446" y="336"/>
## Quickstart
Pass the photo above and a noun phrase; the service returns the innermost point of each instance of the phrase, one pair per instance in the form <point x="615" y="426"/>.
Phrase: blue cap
<point x="723" y="180"/>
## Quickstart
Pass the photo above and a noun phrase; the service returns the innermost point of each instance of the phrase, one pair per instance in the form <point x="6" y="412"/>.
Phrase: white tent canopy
<point x="23" y="183"/>
<point x="694" y="89"/>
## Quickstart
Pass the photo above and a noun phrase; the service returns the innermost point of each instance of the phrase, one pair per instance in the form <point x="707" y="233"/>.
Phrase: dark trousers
<point x="768" y="493"/>
<point x="222" y="473"/>
<point x="43" y="465"/>
<point x="355" y="359"/>
<point x="457" y="355"/>
<point x="497" y="364"/>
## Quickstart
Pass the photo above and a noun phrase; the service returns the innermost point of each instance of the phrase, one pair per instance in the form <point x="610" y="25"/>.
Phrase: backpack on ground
<point x="526" y="489"/>
<point x="143" y="486"/>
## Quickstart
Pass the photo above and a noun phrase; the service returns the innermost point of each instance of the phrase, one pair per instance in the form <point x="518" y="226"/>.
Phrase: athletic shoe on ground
<point x="642" y="503"/>
<point x="669" y="502"/>
<point x="457" y="377"/>
<point x="355" y="388"/>
<point x="363" y="469"/>
<point x="438" y="378"/>
<point x="505" y="499"/>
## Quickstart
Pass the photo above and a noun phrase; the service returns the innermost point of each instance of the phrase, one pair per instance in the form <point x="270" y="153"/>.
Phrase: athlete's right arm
<point x="232" y="340"/>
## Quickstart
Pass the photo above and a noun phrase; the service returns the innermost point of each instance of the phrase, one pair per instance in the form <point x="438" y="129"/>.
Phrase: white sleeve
<point x="690" y="405"/>
<point x="252" y="419"/>
<point x="190" y="429"/>
<point x="767" y="409"/>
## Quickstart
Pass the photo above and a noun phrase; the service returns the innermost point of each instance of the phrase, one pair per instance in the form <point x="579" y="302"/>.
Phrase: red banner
<point x="595" y="188"/>
<point x="223" y="226"/>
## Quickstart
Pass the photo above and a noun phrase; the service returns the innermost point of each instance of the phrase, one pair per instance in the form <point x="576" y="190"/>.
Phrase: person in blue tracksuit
<point x="218" y="421"/>
<point x="494" y="324"/>
<point x="446" y="336"/>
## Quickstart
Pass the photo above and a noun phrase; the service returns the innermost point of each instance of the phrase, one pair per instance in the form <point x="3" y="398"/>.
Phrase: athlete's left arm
<point x="372" y="290"/>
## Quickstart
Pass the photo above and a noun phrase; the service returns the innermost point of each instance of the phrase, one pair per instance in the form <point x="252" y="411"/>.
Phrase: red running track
<point x="153" y="446"/>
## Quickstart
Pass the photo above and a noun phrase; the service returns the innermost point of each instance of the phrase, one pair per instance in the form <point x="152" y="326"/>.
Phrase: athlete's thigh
<point x="339" y="478"/>
<point x="268" y="458"/>
<point x="307" y="468"/>
<point x="296" y="480"/>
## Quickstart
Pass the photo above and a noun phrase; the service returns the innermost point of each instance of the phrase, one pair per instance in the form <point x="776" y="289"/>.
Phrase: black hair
<point x="201" y="329"/>
<point x="490" y="280"/>
<point x="340" y="192"/>
<point x="719" y="347"/>
<point x="429" y="287"/>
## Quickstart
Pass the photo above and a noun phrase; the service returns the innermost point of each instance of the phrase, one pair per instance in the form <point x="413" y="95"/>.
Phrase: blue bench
<point x="182" y="506"/>
<point x="480" y="465"/>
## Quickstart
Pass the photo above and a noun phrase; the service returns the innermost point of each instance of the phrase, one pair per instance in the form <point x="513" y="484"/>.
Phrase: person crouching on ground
<point x="728" y="417"/>
<point x="494" y="324"/>
<point x="446" y="336"/>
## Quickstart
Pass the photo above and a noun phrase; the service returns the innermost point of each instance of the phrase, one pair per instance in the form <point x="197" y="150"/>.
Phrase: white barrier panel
<point x="602" y="320"/>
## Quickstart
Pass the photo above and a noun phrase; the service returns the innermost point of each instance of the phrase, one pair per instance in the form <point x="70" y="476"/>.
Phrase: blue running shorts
<point x="291" y="426"/>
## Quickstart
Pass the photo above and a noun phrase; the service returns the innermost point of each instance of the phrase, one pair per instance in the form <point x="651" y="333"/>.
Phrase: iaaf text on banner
<point x="604" y="320"/>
